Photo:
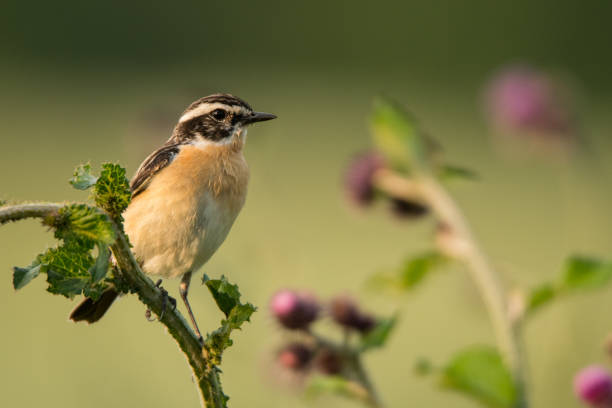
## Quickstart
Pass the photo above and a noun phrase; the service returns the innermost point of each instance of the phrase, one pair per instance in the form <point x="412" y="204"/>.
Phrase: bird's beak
<point x="259" y="117"/>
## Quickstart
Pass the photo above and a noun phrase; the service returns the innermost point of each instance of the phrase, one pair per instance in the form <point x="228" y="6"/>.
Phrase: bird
<point x="186" y="196"/>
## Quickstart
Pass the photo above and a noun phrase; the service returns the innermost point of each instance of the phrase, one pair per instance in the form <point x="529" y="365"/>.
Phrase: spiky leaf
<point x="84" y="222"/>
<point x="67" y="268"/>
<point x="100" y="268"/>
<point x="112" y="190"/>
<point x="82" y="179"/>
<point x="23" y="276"/>
<point x="226" y="295"/>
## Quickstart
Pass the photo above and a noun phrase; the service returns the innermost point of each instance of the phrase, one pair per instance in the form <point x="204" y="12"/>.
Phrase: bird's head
<point x="218" y="119"/>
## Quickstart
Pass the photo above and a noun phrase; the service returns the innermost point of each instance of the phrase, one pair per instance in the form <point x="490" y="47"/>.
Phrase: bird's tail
<point x="90" y="310"/>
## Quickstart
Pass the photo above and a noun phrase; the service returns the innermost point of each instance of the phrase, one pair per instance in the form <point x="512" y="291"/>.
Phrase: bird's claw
<point x="165" y="299"/>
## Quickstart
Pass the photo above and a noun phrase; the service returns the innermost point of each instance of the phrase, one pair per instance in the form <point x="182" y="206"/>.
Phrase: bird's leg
<point x="184" y="290"/>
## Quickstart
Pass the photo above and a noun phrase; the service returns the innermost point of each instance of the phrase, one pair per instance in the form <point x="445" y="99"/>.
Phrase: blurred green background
<point x="105" y="81"/>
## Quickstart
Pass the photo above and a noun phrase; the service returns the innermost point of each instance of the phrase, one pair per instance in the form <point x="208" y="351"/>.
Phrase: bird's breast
<point x="186" y="212"/>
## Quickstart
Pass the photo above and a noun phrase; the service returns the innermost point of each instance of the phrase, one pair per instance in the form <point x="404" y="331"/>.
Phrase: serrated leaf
<point x="480" y="373"/>
<point x="112" y="190"/>
<point x="217" y="341"/>
<point x="226" y="295"/>
<point x="586" y="273"/>
<point x="397" y="136"/>
<point x="540" y="296"/>
<point x="450" y="172"/>
<point x="378" y="336"/>
<point x="82" y="178"/>
<point x="84" y="222"/>
<point x="67" y="268"/>
<point x="23" y="276"/>
<point x="415" y="269"/>
<point x="100" y="268"/>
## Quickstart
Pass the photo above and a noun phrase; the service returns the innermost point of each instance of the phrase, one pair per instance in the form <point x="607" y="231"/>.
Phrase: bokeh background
<point x="105" y="81"/>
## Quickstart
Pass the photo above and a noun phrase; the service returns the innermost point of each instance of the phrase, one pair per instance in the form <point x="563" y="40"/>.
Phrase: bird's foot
<point x="165" y="299"/>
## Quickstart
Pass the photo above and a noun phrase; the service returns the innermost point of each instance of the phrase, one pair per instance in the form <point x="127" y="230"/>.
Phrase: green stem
<point x="205" y="373"/>
<point x="428" y="190"/>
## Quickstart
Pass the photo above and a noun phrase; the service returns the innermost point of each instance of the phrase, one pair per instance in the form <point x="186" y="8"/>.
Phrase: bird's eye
<point x="219" y="114"/>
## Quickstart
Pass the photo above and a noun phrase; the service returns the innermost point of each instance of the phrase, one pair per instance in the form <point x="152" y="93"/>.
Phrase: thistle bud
<point x="359" y="178"/>
<point x="346" y="313"/>
<point x="295" y="356"/>
<point x="593" y="385"/>
<point x="294" y="310"/>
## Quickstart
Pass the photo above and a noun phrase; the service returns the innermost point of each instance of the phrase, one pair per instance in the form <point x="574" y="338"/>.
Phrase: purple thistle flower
<point x="358" y="181"/>
<point x="593" y="385"/>
<point x="294" y="310"/>
<point x="523" y="99"/>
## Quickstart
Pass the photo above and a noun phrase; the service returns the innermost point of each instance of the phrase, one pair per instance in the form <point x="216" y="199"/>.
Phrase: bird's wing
<point x="152" y="165"/>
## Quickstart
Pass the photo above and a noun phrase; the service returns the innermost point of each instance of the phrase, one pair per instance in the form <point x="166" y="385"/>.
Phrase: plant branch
<point x="205" y="373"/>
<point x="457" y="240"/>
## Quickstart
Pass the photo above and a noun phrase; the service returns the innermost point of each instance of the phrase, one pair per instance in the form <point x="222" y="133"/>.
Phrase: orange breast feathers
<point x="179" y="221"/>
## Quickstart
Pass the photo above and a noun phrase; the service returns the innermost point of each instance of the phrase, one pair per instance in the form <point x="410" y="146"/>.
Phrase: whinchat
<point x="186" y="195"/>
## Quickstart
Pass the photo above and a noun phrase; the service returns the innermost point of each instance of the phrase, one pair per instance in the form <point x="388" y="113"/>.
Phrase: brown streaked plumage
<point x="187" y="194"/>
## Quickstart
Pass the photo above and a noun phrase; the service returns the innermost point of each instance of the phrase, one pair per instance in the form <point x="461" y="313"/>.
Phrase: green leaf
<point x="226" y="295"/>
<point x="480" y="373"/>
<point x="84" y="222"/>
<point x="67" y="268"/>
<point x="586" y="273"/>
<point x="378" y="336"/>
<point x="100" y="268"/>
<point x="82" y="178"/>
<point x="540" y="296"/>
<point x="23" y="276"/>
<point x="334" y="384"/>
<point x="398" y="137"/>
<point x="415" y="269"/>
<point x="217" y="341"/>
<point x="450" y="172"/>
<point x="112" y="190"/>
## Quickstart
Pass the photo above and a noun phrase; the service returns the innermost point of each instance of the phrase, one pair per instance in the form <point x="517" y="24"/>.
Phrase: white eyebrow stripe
<point x="206" y="107"/>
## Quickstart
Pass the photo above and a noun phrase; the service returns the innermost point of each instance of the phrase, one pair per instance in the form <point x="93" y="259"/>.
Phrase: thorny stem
<point x="205" y="373"/>
<point x="462" y="245"/>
